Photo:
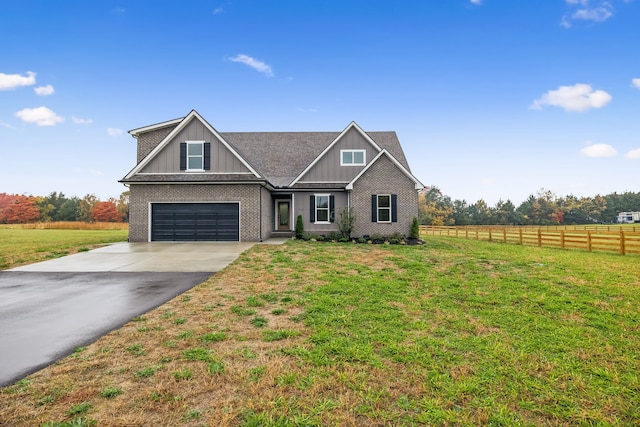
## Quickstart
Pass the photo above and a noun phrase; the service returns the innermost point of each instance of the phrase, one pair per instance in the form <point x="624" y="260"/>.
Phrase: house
<point x="628" y="217"/>
<point x="192" y="182"/>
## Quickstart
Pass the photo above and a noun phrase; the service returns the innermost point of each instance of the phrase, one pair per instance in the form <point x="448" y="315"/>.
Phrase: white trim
<point x="193" y="114"/>
<point x="216" y="202"/>
<point x="315" y="213"/>
<point x="352" y="125"/>
<point x="417" y="184"/>
<point x="205" y="173"/>
<point x="385" y="207"/>
<point x="353" y="151"/>
<point x="201" y="143"/>
<point x="136" y="132"/>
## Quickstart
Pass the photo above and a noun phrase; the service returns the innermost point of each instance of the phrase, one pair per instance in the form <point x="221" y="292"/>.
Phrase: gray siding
<point x="267" y="220"/>
<point x="384" y="177"/>
<point x="168" y="159"/>
<point x="142" y="195"/>
<point x="301" y="206"/>
<point x="150" y="140"/>
<point x="328" y="168"/>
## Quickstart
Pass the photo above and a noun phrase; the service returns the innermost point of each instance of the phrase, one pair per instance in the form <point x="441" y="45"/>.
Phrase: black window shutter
<point x="332" y="208"/>
<point x="207" y="156"/>
<point x="312" y="208"/>
<point x="394" y="208"/>
<point x="183" y="156"/>
<point x="374" y="208"/>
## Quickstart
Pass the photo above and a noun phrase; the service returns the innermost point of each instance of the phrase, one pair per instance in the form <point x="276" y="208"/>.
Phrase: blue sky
<point x="491" y="99"/>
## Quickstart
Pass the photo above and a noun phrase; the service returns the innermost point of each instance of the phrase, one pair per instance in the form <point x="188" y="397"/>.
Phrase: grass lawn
<point x="455" y="332"/>
<point x="19" y="246"/>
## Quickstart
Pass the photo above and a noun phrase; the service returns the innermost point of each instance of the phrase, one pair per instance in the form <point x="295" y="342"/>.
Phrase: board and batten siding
<point x="328" y="168"/>
<point x="302" y="207"/>
<point x="168" y="159"/>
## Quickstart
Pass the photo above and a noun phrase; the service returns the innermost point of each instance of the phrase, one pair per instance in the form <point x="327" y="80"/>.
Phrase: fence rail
<point x="620" y="239"/>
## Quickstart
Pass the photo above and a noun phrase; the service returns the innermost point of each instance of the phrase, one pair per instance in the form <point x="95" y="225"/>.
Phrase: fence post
<point x="589" y="241"/>
<point x="562" y="239"/>
<point x="539" y="237"/>
<point x="466" y="232"/>
<point x="490" y="237"/>
<point x="622" y="248"/>
<point x="521" y="241"/>
<point x="504" y="234"/>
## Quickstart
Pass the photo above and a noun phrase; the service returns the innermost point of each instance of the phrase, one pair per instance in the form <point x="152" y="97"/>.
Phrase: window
<point x="321" y="207"/>
<point x="352" y="157"/>
<point x="384" y="208"/>
<point x="195" y="156"/>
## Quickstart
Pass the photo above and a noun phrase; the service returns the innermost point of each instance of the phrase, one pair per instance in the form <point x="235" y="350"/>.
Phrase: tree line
<point x="22" y="209"/>
<point x="543" y="208"/>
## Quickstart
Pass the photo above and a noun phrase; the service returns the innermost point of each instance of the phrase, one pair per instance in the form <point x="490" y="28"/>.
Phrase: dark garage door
<point x="195" y="221"/>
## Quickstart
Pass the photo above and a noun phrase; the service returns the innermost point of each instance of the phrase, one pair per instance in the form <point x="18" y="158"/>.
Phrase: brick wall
<point x="149" y="140"/>
<point x="248" y="195"/>
<point x="384" y="177"/>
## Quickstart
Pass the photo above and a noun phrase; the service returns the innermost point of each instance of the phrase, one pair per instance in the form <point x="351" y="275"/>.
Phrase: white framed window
<point x="353" y="157"/>
<point x="195" y="156"/>
<point x="322" y="208"/>
<point x="384" y="208"/>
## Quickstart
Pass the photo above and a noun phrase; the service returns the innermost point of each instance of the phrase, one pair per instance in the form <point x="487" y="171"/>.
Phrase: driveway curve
<point x="50" y="308"/>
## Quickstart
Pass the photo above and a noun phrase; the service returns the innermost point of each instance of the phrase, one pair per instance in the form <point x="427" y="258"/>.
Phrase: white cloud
<point x="253" y="63"/>
<point x="44" y="90"/>
<point x="579" y="97"/>
<point x="478" y="2"/>
<point x="217" y="11"/>
<point x="487" y="180"/>
<point x="633" y="154"/>
<point x="41" y="116"/>
<point x="586" y="10"/>
<point x="80" y="121"/>
<point x="12" y="81"/>
<point x="6" y="125"/>
<point x="598" y="150"/>
<point x="635" y="83"/>
<point x="114" y="131"/>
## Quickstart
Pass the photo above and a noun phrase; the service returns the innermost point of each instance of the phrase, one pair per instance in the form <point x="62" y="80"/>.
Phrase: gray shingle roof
<point x="281" y="156"/>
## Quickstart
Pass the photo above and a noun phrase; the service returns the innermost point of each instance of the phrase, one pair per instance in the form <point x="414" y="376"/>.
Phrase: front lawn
<point x="20" y="246"/>
<point x="455" y="332"/>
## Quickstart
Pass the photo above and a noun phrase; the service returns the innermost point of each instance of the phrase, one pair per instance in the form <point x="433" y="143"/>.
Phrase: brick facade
<point x="149" y="140"/>
<point x="383" y="177"/>
<point x="248" y="195"/>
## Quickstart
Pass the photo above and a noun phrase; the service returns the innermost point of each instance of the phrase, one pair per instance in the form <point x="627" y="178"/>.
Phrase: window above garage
<point x="195" y="156"/>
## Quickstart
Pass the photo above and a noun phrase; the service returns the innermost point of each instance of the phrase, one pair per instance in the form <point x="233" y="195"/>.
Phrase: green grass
<point x="20" y="246"/>
<point x="455" y="332"/>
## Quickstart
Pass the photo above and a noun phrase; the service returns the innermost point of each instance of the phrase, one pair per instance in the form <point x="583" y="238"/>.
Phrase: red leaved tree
<point x="23" y="210"/>
<point x="106" y="212"/>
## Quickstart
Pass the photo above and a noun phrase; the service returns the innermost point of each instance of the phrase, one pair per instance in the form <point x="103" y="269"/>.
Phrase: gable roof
<point x="418" y="184"/>
<point x="352" y="125"/>
<point x="183" y="123"/>
<point x="281" y="158"/>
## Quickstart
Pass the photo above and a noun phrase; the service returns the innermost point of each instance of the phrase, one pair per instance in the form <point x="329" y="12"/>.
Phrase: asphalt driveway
<point x="50" y="308"/>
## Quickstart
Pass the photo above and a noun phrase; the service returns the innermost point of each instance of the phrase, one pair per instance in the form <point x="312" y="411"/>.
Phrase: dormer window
<point x="353" y="157"/>
<point x="194" y="156"/>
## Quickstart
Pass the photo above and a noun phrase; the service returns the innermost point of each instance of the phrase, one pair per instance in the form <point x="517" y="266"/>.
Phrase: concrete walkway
<point x="149" y="257"/>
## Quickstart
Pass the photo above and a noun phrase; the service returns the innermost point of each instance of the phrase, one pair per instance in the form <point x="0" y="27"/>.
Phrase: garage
<point x="195" y="222"/>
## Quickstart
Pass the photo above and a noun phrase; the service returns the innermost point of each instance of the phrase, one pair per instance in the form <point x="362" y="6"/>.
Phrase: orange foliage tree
<point x="23" y="210"/>
<point x="106" y="212"/>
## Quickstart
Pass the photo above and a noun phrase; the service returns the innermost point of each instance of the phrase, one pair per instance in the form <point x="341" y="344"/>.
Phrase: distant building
<point x="628" y="217"/>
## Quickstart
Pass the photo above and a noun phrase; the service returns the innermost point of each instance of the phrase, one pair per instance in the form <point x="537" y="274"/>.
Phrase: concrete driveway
<point x="49" y="308"/>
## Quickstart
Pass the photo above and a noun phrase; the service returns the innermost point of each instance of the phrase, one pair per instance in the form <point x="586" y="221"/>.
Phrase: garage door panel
<point x="195" y="221"/>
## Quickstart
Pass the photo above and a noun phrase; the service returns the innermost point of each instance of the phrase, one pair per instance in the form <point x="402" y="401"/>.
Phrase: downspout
<point x="260" y="217"/>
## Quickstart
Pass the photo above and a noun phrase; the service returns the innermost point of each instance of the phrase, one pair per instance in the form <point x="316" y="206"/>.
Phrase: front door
<point x="283" y="216"/>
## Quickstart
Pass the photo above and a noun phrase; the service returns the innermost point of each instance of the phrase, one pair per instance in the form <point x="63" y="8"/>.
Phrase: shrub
<point x="299" y="229"/>
<point x="415" y="229"/>
<point x="346" y="221"/>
